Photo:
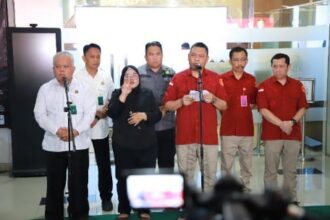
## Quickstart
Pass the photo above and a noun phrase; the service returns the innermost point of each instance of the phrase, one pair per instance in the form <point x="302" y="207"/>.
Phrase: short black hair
<point x="155" y="44"/>
<point x="280" y="56"/>
<point x="89" y="46"/>
<point x="202" y="45"/>
<point x="237" y="50"/>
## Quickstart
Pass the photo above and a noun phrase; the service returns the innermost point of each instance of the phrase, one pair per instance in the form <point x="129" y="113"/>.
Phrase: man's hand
<point x="136" y="118"/>
<point x="75" y="133"/>
<point x="286" y="127"/>
<point x="63" y="134"/>
<point x="187" y="100"/>
<point x="163" y="111"/>
<point x="102" y="113"/>
<point x="208" y="97"/>
<point x="94" y="122"/>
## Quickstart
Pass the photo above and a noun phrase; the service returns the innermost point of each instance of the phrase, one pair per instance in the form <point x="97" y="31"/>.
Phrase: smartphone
<point x="155" y="190"/>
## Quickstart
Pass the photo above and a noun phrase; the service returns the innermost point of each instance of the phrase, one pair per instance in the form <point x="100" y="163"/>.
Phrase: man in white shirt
<point x="49" y="113"/>
<point x="102" y="84"/>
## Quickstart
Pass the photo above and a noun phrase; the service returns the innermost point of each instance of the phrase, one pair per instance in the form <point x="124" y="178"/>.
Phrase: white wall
<point x="46" y="13"/>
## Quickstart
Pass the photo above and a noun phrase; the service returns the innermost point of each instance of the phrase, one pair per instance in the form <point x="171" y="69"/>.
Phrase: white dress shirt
<point x="50" y="115"/>
<point x="103" y="86"/>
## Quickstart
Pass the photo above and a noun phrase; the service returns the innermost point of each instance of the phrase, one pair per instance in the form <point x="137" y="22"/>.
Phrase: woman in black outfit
<point x="134" y="113"/>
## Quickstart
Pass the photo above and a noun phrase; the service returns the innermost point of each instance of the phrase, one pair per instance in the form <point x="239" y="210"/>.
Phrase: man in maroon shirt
<point x="282" y="103"/>
<point x="181" y="96"/>
<point x="237" y="121"/>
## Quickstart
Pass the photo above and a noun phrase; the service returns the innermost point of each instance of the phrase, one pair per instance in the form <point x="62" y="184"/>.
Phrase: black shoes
<point x="107" y="206"/>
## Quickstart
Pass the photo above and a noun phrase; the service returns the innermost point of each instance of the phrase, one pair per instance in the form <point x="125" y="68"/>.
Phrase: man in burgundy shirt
<point x="282" y="103"/>
<point x="182" y="96"/>
<point x="237" y="121"/>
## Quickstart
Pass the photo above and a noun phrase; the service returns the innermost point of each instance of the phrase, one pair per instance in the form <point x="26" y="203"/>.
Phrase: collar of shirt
<point x="55" y="83"/>
<point x="204" y="73"/>
<point x="231" y="74"/>
<point x="274" y="80"/>
<point x="86" y="73"/>
<point x="149" y="70"/>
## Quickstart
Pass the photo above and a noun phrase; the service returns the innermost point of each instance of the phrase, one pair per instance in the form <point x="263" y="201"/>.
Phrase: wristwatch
<point x="294" y="121"/>
<point x="214" y="99"/>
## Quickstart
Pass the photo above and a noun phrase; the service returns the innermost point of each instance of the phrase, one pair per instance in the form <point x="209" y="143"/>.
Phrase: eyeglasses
<point x="131" y="76"/>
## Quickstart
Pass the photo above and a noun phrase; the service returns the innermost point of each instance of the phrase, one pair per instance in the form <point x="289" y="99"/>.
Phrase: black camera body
<point x="229" y="202"/>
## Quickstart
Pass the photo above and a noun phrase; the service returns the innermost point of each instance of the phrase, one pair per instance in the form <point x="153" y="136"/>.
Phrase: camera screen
<point x="155" y="190"/>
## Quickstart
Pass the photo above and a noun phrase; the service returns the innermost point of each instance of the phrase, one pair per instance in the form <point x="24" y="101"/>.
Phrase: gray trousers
<point x="188" y="154"/>
<point x="288" y="151"/>
<point x="230" y="145"/>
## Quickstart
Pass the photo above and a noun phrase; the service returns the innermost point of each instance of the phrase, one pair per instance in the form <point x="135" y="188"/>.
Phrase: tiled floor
<point x="20" y="197"/>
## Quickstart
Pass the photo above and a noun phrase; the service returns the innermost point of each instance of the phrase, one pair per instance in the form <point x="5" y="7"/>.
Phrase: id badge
<point x="100" y="100"/>
<point x="73" y="109"/>
<point x="244" y="102"/>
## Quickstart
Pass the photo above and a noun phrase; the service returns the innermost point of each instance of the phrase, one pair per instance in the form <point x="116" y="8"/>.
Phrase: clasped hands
<point x="63" y="133"/>
<point x="286" y="127"/>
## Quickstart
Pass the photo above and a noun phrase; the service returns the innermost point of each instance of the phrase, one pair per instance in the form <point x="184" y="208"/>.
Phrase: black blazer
<point x="142" y="135"/>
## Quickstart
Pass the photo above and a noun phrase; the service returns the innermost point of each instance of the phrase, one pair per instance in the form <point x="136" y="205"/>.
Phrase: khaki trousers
<point x="187" y="156"/>
<point x="244" y="146"/>
<point x="288" y="151"/>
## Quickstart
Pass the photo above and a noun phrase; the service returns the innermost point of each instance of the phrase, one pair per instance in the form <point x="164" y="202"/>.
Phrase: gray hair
<point x="63" y="53"/>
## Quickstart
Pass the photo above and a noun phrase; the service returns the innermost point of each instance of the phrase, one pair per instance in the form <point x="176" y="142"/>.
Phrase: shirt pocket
<point x="103" y="90"/>
<point x="77" y="100"/>
<point x="56" y="104"/>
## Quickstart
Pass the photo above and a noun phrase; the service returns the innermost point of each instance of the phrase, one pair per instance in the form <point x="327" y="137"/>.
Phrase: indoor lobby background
<point x="299" y="28"/>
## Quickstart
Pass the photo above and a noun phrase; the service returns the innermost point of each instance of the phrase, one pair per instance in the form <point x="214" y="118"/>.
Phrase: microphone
<point x="198" y="67"/>
<point x="65" y="83"/>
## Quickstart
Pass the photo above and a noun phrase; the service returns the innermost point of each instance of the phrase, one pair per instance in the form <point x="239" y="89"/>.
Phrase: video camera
<point x="227" y="201"/>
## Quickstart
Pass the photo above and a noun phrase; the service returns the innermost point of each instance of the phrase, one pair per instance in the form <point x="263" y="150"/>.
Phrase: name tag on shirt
<point x="100" y="100"/>
<point x="244" y="102"/>
<point x="73" y="109"/>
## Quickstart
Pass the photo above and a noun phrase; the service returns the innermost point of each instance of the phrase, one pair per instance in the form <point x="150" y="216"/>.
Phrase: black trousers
<point x="102" y="156"/>
<point x="126" y="158"/>
<point x="57" y="165"/>
<point x="166" y="148"/>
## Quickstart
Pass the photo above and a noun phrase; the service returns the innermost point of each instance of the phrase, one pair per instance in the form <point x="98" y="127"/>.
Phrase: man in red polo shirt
<point x="282" y="103"/>
<point x="237" y="121"/>
<point x="182" y="96"/>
